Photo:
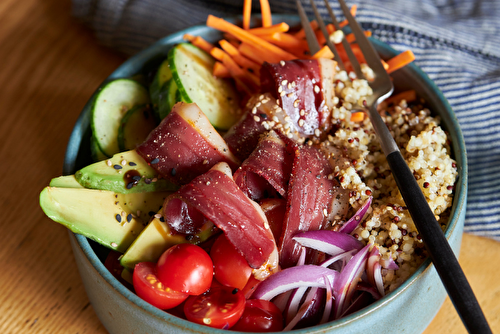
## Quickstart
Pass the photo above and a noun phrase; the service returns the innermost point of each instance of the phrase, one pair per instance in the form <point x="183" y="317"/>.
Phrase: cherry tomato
<point x="186" y="268"/>
<point x="260" y="316"/>
<point x="230" y="267"/>
<point x="148" y="287"/>
<point x="220" y="307"/>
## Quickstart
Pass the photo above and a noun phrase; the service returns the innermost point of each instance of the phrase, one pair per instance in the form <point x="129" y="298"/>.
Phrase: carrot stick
<point x="280" y="27"/>
<point x="324" y="52"/>
<point x="265" y="10"/>
<point x="220" y="70"/>
<point x="258" y="55"/>
<point x="202" y="44"/>
<point x="245" y="36"/>
<point x="400" y="60"/>
<point x="247" y="12"/>
<point x="237" y="72"/>
<point x="357" y="116"/>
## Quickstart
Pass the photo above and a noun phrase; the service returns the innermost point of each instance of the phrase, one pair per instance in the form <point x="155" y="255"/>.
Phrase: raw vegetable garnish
<point x="261" y="200"/>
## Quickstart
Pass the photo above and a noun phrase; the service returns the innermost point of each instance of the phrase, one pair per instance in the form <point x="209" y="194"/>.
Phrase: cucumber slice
<point x="135" y="126"/>
<point x="168" y="97"/>
<point x="95" y="151"/>
<point x="192" y="71"/>
<point x="111" y="103"/>
<point x="162" y="75"/>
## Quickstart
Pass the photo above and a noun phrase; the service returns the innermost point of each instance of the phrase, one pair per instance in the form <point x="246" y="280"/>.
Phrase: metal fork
<point x="439" y="250"/>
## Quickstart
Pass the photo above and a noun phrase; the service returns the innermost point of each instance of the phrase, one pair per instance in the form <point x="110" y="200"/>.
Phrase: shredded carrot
<point x="357" y="116"/>
<point x="245" y="36"/>
<point x="280" y="27"/>
<point x="188" y="37"/>
<point x="324" y="52"/>
<point x="220" y="70"/>
<point x="256" y="54"/>
<point x="402" y="59"/>
<point x="407" y="95"/>
<point x="238" y="58"/>
<point x="265" y="9"/>
<point x="248" y="78"/>
<point x="353" y="11"/>
<point x="351" y="38"/>
<point x="302" y="33"/>
<point x="217" y="53"/>
<point x="228" y="47"/>
<point x="285" y="40"/>
<point x="247" y="13"/>
<point x="202" y="44"/>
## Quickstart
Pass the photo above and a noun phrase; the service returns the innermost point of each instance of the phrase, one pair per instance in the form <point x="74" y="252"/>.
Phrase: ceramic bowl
<point x="408" y="309"/>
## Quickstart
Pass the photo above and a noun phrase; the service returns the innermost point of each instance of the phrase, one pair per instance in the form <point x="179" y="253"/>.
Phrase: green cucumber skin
<point x="162" y="75"/>
<point x="168" y="97"/>
<point x="192" y="71"/>
<point x="134" y="128"/>
<point x="111" y="103"/>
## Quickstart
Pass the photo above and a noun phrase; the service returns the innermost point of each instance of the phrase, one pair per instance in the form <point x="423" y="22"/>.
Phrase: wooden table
<point x="50" y="65"/>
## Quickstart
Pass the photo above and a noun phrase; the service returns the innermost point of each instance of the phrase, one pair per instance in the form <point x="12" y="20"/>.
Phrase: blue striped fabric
<point x="457" y="43"/>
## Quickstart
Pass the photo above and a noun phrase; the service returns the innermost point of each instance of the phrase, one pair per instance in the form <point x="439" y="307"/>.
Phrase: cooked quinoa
<point x="423" y="144"/>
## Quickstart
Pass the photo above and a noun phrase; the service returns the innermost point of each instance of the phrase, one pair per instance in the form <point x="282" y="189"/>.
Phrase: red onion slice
<point x="352" y="223"/>
<point x="330" y="242"/>
<point x="348" y="279"/>
<point x="328" y="303"/>
<point x="373" y="271"/>
<point x="291" y="278"/>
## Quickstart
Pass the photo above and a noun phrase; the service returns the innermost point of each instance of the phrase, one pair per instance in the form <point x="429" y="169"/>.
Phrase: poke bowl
<point x="409" y="308"/>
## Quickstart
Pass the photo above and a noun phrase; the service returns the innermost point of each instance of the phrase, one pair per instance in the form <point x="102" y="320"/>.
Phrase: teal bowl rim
<point x="158" y="50"/>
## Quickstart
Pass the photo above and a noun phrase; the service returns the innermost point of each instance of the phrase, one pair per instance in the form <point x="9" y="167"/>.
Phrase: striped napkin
<point x="457" y="43"/>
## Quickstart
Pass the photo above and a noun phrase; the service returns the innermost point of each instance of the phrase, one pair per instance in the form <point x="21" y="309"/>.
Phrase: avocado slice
<point x="111" y="219"/>
<point x="157" y="238"/>
<point x="68" y="181"/>
<point x="124" y="173"/>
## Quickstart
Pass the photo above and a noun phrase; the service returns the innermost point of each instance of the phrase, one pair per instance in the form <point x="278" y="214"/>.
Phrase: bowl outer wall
<point x="408" y="309"/>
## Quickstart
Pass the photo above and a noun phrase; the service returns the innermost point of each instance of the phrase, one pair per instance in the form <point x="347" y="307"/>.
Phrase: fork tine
<point x="371" y="56"/>
<point x="347" y="47"/>
<point x="322" y="26"/>
<point x="312" y="42"/>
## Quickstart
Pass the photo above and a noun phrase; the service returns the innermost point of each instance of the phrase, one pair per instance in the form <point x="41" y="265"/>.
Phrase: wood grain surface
<point x="50" y="65"/>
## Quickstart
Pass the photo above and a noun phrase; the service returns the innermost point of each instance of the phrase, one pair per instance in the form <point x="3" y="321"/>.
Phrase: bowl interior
<point x="143" y="64"/>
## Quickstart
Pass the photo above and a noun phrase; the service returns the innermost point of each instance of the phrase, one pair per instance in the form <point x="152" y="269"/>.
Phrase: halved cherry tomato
<point x="260" y="316"/>
<point x="230" y="267"/>
<point x="220" y="307"/>
<point x="186" y="268"/>
<point x="148" y="287"/>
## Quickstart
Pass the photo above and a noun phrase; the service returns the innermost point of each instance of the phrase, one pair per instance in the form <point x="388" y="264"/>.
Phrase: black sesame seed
<point x="235" y="291"/>
<point x="130" y="185"/>
<point x="173" y="172"/>
<point x="129" y="217"/>
<point x="162" y="219"/>
<point x="118" y="218"/>
<point x="155" y="161"/>
<point x="136" y="178"/>
<point x="117" y="167"/>
<point x="147" y="181"/>
<point x="151" y="213"/>
<point x="189" y="237"/>
<point x="131" y="163"/>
